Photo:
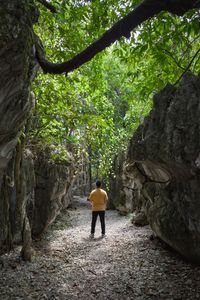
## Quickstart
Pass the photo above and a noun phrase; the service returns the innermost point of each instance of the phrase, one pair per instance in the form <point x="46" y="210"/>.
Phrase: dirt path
<point x="125" y="265"/>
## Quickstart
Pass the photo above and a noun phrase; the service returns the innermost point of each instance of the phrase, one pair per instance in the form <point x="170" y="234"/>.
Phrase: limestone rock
<point x="17" y="60"/>
<point x="140" y="219"/>
<point x="51" y="193"/>
<point x="17" y="69"/>
<point x="165" y="166"/>
<point x="116" y="192"/>
<point x="32" y="197"/>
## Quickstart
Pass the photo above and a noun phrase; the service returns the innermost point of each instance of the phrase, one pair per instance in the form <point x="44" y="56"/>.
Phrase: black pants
<point x="102" y="220"/>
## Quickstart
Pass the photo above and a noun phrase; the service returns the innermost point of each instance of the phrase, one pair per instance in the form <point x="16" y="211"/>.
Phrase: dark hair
<point x="98" y="183"/>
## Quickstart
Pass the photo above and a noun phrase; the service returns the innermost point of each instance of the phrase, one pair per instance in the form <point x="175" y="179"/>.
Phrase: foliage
<point x="96" y="108"/>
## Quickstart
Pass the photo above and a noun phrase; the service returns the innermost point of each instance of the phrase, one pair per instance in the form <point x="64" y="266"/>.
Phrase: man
<point x="99" y="199"/>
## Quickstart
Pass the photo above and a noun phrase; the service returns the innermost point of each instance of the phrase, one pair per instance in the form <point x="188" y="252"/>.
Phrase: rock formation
<point x="17" y="68"/>
<point x="163" y="167"/>
<point x="22" y="179"/>
<point x="116" y="194"/>
<point x="52" y="192"/>
<point x="34" y="191"/>
<point x="17" y="60"/>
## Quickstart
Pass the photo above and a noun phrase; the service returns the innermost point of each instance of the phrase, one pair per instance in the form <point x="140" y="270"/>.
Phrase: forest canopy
<point x="95" y="109"/>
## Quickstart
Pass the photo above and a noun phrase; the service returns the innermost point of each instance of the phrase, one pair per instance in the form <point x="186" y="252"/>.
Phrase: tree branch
<point x="121" y="28"/>
<point x="172" y="57"/>
<point x="188" y="66"/>
<point x="194" y="66"/>
<point x="146" y="10"/>
<point x="192" y="42"/>
<point x="48" y="5"/>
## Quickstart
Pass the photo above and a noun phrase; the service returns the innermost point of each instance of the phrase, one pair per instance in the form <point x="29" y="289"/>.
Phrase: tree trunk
<point x="90" y="167"/>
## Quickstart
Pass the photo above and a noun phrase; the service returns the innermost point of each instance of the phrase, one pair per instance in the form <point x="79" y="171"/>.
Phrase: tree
<point x="20" y="47"/>
<point x="146" y="10"/>
<point x="150" y="51"/>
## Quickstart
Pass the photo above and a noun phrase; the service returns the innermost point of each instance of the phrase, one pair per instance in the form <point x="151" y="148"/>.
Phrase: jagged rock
<point x="124" y="186"/>
<point x="51" y="193"/>
<point x="164" y="155"/>
<point x="122" y="210"/>
<point x="17" y="69"/>
<point x="27" y="252"/>
<point x="29" y="169"/>
<point x="33" y="193"/>
<point x="140" y="219"/>
<point x="116" y="196"/>
<point x="17" y="60"/>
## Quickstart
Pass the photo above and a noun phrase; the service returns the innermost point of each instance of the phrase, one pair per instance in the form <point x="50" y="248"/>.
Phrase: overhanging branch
<point x="172" y="57"/>
<point x="121" y="28"/>
<point x="146" y="10"/>
<point x="48" y="5"/>
<point x="188" y="66"/>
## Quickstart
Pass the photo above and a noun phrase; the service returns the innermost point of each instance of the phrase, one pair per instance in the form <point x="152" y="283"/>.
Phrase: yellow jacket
<point x="98" y="198"/>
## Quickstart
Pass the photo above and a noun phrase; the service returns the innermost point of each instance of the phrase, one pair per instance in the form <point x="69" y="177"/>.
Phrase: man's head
<point x="98" y="183"/>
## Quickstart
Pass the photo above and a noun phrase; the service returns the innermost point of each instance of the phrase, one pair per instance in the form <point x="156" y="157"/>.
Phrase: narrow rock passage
<point x="125" y="265"/>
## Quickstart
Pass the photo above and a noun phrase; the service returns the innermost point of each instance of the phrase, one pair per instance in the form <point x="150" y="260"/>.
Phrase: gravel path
<point x="125" y="265"/>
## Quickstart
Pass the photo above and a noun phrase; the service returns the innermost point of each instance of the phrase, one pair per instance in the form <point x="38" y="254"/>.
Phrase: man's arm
<point x="90" y="198"/>
<point x="106" y="199"/>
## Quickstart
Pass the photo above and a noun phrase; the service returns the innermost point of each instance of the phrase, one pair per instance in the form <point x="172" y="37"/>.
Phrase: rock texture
<point x="17" y="64"/>
<point x="116" y="191"/>
<point x="33" y="193"/>
<point x="163" y="164"/>
<point x="17" y="68"/>
<point x="52" y="192"/>
<point x="124" y="189"/>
